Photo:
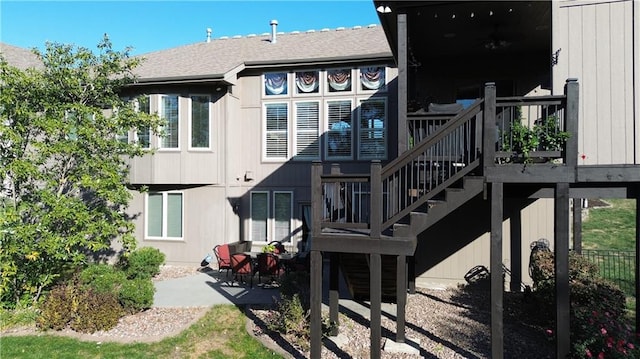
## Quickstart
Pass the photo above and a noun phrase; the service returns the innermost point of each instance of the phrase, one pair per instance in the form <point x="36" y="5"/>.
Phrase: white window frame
<point x="251" y="215"/>
<point x="385" y="133"/>
<point x="327" y="129"/>
<point x="383" y="89"/>
<point x="190" y="122"/>
<point x="321" y="82"/>
<point x="295" y="132"/>
<point x="327" y="87"/>
<point x="263" y="90"/>
<point x="265" y="133"/>
<point x="165" y="199"/>
<point x="160" y="139"/>
<point x="135" y="138"/>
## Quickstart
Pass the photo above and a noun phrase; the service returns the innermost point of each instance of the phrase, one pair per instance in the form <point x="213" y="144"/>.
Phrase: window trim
<point x="135" y="138"/>
<point x="162" y="115"/>
<point x="327" y="129"/>
<point x="385" y="100"/>
<point x="251" y="193"/>
<point x="294" y="131"/>
<point x="190" y="122"/>
<point x="164" y="236"/>
<point x="264" y="141"/>
<point x="385" y="87"/>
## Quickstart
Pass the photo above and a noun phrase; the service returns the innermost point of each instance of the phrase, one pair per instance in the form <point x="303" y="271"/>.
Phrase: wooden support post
<point x="571" y="90"/>
<point x="497" y="283"/>
<point x="316" y="199"/>
<point x="561" y="254"/>
<point x="375" y="217"/>
<point x="316" y="304"/>
<point x="403" y="133"/>
<point x="489" y="137"/>
<point x="515" y="229"/>
<point x="401" y="295"/>
<point x="375" y="269"/>
<point x="334" y="271"/>
<point x="577" y="225"/>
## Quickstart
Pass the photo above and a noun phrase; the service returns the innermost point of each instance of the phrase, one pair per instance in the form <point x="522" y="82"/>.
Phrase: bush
<point x="297" y="282"/>
<point x="103" y="278"/>
<point x="136" y="294"/>
<point x="597" y="308"/>
<point x="96" y="311"/>
<point x="142" y="263"/>
<point x="57" y="309"/>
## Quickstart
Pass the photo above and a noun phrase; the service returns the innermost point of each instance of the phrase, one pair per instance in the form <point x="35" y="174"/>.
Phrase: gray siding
<point x="596" y="44"/>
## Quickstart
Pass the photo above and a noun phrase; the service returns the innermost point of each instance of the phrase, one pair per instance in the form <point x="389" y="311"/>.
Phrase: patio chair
<point x="241" y="268"/>
<point x="224" y="259"/>
<point x="268" y="265"/>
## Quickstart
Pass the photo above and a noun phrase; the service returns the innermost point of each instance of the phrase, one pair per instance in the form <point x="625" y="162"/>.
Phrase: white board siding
<point x="595" y="40"/>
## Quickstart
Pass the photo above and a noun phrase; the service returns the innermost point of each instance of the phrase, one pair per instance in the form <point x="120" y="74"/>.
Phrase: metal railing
<point x="615" y="266"/>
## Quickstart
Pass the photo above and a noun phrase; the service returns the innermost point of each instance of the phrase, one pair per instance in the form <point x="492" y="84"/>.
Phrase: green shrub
<point x="597" y="307"/>
<point x="103" y="278"/>
<point x="136" y="294"/>
<point x="292" y="320"/>
<point x="297" y="282"/>
<point x="57" y="309"/>
<point x="96" y="311"/>
<point x="142" y="263"/>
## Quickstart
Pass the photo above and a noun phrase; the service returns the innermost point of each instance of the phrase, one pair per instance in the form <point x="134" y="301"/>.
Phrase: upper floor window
<point x="200" y="122"/>
<point x="277" y="131"/>
<point x="142" y="135"/>
<point x="373" y="79"/>
<point x="307" y="123"/>
<point x="339" y="80"/>
<point x="307" y="82"/>
<point x="339" y="125"/>
<point x="373" y="129"/>
<point x="169" y="111"/>
<point x="275" y="84"/>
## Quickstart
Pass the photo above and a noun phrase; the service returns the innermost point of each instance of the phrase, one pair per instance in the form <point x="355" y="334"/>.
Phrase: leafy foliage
<point x="545" y="135"/>
<point x="103" y="278"/>
<point x="136" y="294"/>
<point x="597" y="307"/>
<point x="62" y="168"/>
<point x="142" y="263"/>
<point x="57" y="310"/>
<point x="95" y="311"/>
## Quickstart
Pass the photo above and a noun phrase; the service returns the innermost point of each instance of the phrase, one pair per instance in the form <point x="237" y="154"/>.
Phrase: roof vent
<point x="274" y="25"/>
<point x="209" y="34"/>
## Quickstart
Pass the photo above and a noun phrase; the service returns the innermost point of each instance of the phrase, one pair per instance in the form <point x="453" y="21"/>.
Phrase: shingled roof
<point x="20" y="57"/>
<point x="222" y="58"/>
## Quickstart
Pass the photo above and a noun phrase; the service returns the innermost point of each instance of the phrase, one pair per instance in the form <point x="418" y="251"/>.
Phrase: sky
<point x="149" y="26"/>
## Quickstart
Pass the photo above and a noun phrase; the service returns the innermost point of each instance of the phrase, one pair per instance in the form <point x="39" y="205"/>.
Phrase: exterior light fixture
<point x="383" y="9"/>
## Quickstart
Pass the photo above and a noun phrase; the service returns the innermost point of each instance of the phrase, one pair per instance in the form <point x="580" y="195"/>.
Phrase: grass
<point x="220" y="334"/>
<point x="611" y="227"/>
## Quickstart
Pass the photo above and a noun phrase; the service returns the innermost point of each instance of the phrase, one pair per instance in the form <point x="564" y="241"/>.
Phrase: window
<point x="200" y="122"/>
<point x="339" y="80"/>
<point x="373" y="129"/>
<point x="276" y="131"/>
<point x="307" y="130"/>
<point x="372" y="78"/>
<point x="307" y="82"/>
<point x="142" y="135"/>
<point x="339" y="138"/>
<point x="282" y="213"/>
<point x="169" y="111"/>
<point x="164" y="215"/>
<point x="259" y="216"/>
<point x="275" y="84"/>
<point x="271" y="223"/>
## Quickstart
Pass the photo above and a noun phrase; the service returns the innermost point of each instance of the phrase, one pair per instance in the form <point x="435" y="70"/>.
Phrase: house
<point x="246" y="117"/>
<point x="464" y="191"/>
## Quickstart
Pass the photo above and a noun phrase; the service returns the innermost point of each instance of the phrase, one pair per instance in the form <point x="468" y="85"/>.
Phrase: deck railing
<point x="483" y="135"/>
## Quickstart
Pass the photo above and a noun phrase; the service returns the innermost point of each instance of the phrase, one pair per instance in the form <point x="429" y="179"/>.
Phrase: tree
<point x="63" y="166"/>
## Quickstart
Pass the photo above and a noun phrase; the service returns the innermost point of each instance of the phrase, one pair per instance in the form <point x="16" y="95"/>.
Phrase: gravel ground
<point x="447" y="323"/>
